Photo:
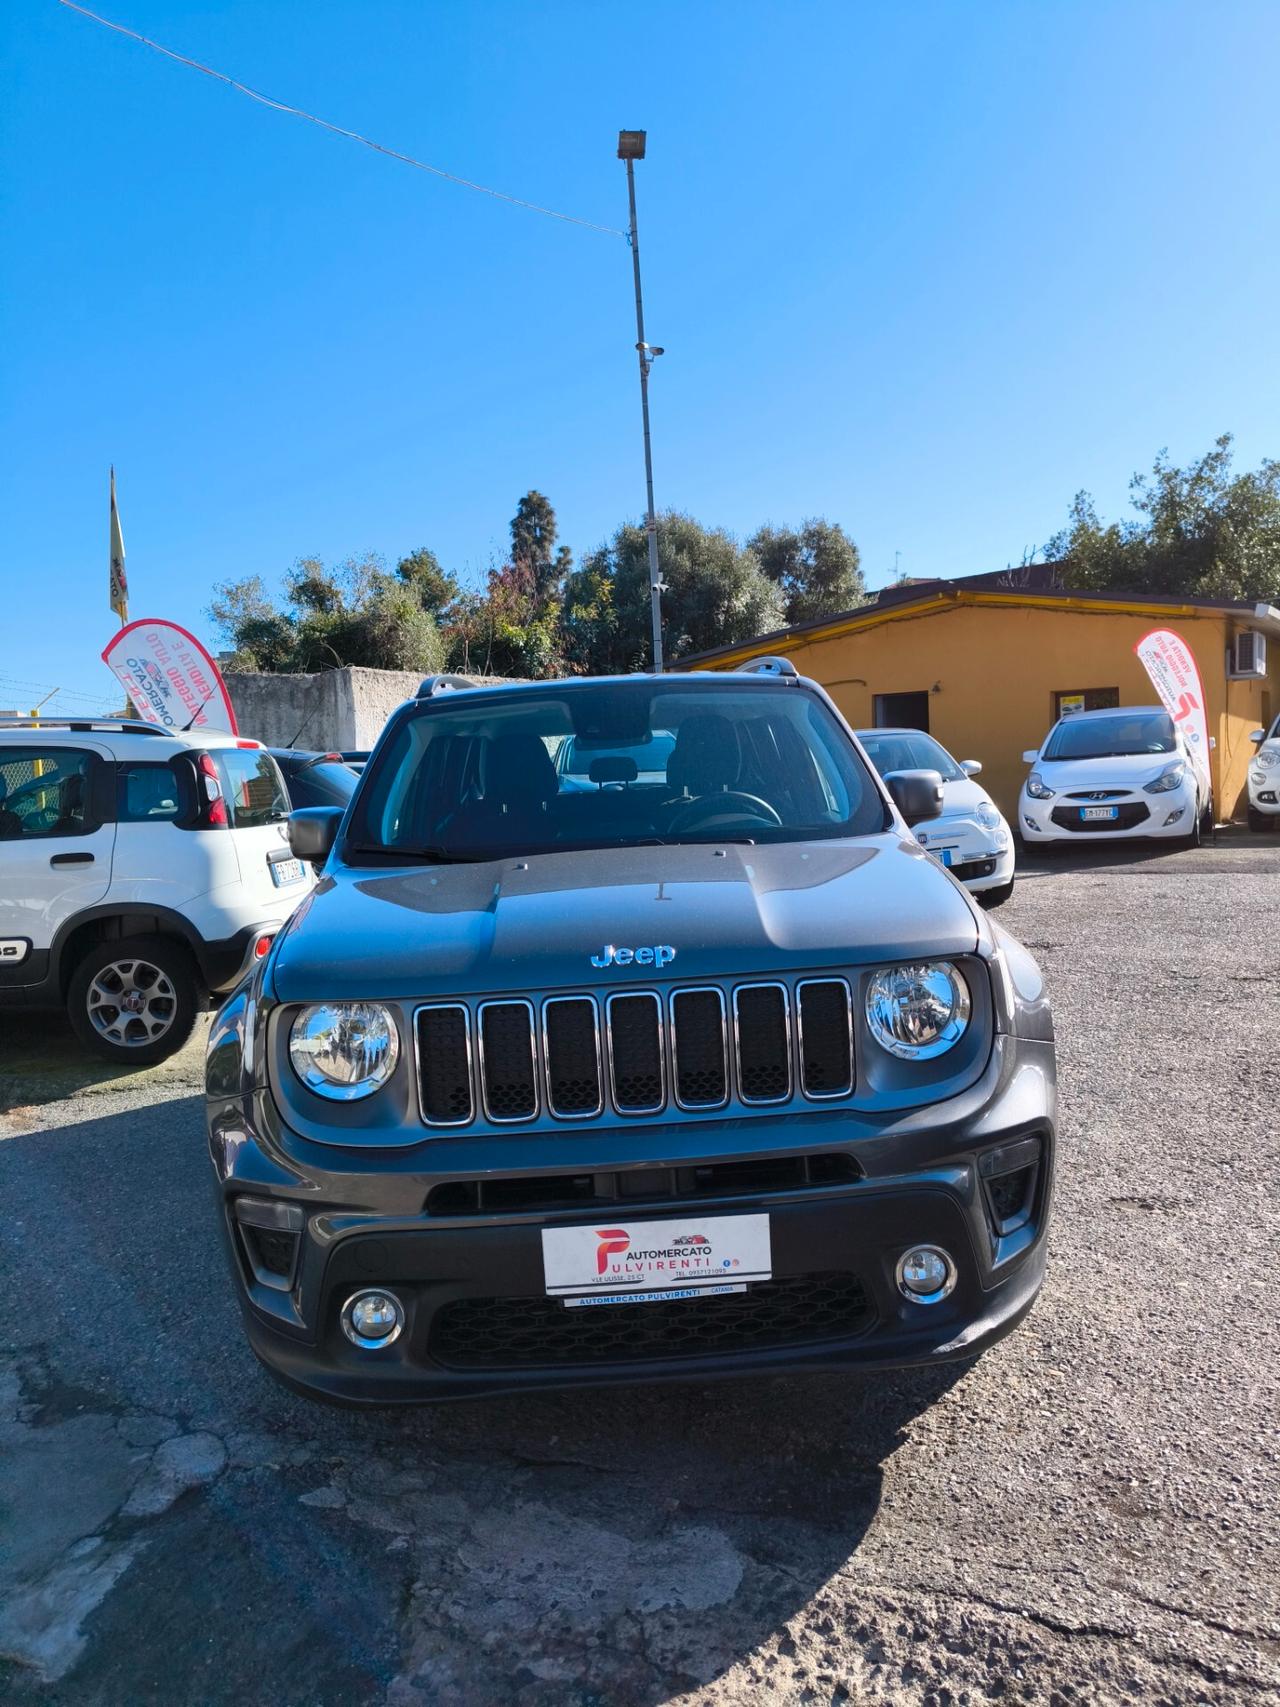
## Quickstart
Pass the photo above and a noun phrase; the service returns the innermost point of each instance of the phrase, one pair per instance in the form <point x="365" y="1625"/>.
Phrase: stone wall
<point x="339" y="710"/>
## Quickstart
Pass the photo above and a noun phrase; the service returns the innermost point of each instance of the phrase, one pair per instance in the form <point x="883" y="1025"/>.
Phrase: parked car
<point x="357" y="758"/>
<point x="1107" y="775"/>
<point x="1264" y="779"/>
<point x="140" y="870"/>
<point x="971" y="837"/>
<point x="715" y="1073"/>
<point x="315" y="779"/>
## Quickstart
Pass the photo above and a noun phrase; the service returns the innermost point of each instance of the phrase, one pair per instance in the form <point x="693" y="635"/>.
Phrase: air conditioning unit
<point x="1248" y="654"/>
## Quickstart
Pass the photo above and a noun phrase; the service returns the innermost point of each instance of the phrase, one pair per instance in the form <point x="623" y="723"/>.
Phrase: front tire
<point x="135" y="1001"/>
<point x="1259" y="822"/>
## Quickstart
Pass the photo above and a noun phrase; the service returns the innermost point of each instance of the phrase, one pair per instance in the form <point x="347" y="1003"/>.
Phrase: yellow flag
<point x="119" y="585"/>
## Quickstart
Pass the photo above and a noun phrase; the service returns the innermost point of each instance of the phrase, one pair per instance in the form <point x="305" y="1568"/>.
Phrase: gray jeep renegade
<point x="629" y="1035"/>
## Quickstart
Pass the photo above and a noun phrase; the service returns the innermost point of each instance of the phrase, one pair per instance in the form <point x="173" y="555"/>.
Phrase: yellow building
<point x="986" y="664"/>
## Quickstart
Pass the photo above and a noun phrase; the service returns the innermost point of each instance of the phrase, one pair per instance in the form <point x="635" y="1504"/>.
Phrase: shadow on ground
<point x="586" y="1547"/>
<point x="42" y="1059"/>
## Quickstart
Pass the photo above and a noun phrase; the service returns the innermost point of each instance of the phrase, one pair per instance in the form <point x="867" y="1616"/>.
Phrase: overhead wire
<point x="337" y="129"/>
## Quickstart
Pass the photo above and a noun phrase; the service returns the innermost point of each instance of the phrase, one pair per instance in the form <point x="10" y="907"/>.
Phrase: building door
<point x="901" y="711"/>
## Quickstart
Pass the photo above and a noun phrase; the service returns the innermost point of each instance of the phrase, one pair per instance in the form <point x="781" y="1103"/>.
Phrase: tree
<point x="716" y="594"/>
<point x="533" y="546"/>
<point x="1203" y="533"/>
<point x="815" y="566"/>
<point x="437" y="590"/>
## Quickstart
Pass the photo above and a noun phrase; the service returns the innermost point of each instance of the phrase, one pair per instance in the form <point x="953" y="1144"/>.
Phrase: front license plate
<point x="675" y="1257"/>
<point x="1092" y="814"/>
<point x="947" y="855"/>
<point x="285" y="871"/>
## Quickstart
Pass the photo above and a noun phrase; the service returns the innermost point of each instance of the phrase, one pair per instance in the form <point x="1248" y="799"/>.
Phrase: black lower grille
<point x="826" y="1040"/>
<point x="504" y="1333"/>
<point x="973" y="868"/>
<point x="1129" y="814"/>
<point x="701" y="1069"/>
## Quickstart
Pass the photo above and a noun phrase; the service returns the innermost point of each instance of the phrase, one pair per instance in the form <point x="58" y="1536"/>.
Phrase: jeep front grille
<point x="700" y="1047"/>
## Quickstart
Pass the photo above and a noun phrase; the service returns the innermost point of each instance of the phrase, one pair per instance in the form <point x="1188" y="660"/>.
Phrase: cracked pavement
<point x="1088" y="1514"/>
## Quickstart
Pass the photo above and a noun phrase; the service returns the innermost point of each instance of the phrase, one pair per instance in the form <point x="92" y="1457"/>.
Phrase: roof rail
<point x="432" y="685"/>
<point x="128" y="725"/>
<point x="782" y="667"/>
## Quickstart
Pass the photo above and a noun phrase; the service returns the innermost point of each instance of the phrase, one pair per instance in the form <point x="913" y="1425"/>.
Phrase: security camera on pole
<point x="631" y="149"/>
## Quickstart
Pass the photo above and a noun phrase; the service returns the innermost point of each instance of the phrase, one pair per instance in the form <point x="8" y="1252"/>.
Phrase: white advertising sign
<point x="649" y="1256"/>
<point x="1171" y="664"/>
<point x="170" y="678"/>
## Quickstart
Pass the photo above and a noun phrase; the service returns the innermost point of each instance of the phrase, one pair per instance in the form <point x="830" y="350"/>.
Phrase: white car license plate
<point x="285" y="871"/>
<point x="1092" y="814"/>
<point x="652" y="1258"/>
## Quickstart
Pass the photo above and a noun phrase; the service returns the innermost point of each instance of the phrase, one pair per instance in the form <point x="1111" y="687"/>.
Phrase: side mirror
<point x="312" y="831"/>
<point x="1257" y="736"/>
<point x="916" y="794"/>
<point x="1031" y="757"/>
<point x="971" y="767"/>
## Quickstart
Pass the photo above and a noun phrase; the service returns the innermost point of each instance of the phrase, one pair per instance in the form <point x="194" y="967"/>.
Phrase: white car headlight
<point x="344" y="1050"/>
<point x="1266" y="756"/>
<point x="1171" y="776"/>
<point x="1037" y="788"/>
<point x="987" y="816"/>
<point x="917" y="1012"/>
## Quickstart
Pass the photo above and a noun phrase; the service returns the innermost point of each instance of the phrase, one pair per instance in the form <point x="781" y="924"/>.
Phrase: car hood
<point x="962" y="799"/>
<point x="1123" y="770"/>
<point x="534" y="925"/>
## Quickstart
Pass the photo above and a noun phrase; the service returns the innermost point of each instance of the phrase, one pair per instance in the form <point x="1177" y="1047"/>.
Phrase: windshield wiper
<point x="430" y="855"/>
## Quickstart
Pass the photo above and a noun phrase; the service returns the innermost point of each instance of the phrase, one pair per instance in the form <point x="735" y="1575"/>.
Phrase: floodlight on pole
<point x="631" y="148"/>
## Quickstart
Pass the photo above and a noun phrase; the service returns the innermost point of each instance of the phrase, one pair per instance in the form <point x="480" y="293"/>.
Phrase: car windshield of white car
<point x="907" y="750"/>
<point x="1137" y="734"/>
<point x="479" y="775"/>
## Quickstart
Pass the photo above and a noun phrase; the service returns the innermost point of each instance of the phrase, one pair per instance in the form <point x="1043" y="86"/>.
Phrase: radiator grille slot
<point x="698" y="1048"/>
<point x="508" y="1080"/>
<point x="635" y="1049"/>
<point x="444" y="1065"/>
<point x="571" y="1040"/>
<point x="763" y="1030"/>
<point x="826" y="1038"/>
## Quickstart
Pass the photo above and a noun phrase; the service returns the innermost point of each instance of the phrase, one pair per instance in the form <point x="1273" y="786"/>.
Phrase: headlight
<point x="1266" y="756"/>
<point x="344" y="1050"/>
<point x="1170" y="777"/>
<point x="916" y="1012"/>
<point x="987" y="816"/>
<point x="1036" y="787"/>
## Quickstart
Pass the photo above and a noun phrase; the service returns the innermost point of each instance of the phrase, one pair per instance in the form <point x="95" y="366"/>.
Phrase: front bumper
<point x="1166" y="817"/>
<point x="977" y="857"/>
<point x="922" y="1181"/>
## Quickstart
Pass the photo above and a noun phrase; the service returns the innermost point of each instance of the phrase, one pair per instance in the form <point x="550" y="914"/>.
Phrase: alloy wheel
<point x="131" y="1003"/>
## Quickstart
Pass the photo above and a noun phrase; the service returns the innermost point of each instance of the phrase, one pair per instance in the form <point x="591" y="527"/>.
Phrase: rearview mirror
<point x="312" y="831"/>
<point x="1258" y="735"/>
<point x="916" y="794"/>
<point x="1031" y="757"/>
<point x="971" y="767"/>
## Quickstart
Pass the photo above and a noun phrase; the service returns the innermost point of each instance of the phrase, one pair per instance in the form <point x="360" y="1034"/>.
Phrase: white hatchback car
<point x="1124" y="774"/>
<point x="971" y="838"/>
<point x="141" y="872"/>
<point x="1264" y="779"/>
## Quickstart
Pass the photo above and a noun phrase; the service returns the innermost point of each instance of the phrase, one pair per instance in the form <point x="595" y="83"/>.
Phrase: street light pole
<point x="631" y="149"/>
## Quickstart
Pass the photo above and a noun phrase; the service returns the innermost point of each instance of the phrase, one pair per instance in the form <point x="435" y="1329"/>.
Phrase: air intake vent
<point x="573" y="1057"/>
<point x="444" y="1057"/>
<point x="508" y="1080"/>
<point x="697" y="1048"/>
<point x="826" y="1038"/>
<point x="635" y="1049"/>
<point x="764" y="1042"/>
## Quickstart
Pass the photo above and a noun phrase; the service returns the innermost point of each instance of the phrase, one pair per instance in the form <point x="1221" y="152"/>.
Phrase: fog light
<point x="1174" y="816"/>
<point x="372" y="1319"/>
<point x="926" y="1274"/>
<point x="1029" y="821"/>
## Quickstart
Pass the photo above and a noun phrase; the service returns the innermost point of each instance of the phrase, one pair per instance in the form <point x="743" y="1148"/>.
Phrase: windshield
<point x="480" y="775"/>
<point x="909" y="750"/>
<point x="1127" y="733"/>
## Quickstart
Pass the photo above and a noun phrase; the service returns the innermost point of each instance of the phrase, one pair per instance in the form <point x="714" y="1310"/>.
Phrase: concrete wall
<point x="334" y="709"/>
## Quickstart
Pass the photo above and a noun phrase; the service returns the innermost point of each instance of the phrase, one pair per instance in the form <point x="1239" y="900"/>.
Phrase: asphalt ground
<point x="1088" y="1514"/>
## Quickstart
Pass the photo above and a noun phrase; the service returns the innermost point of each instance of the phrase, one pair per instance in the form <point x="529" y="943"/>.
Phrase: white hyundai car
<point x="971" y="838"/>
<point x="1264" y="779"/>
<point x="1122" y="774"/>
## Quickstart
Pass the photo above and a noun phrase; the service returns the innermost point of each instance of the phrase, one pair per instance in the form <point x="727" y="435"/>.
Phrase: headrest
<point x="518" y="772"/>
<point x="613" y="767"/>
<point x="706" y="756"/>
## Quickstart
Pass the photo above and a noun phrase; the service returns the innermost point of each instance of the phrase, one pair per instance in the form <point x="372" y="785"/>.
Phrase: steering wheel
<point x="712" y="808"/>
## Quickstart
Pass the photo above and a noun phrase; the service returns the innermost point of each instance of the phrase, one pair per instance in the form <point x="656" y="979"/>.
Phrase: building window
<point x="1067" y="700"/>
<point x="901" y="711"/>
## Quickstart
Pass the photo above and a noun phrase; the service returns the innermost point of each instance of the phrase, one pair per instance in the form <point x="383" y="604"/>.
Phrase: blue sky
<point x="924" y="269"/>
